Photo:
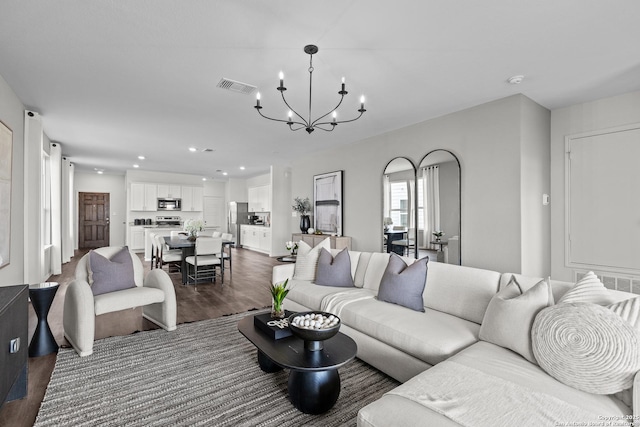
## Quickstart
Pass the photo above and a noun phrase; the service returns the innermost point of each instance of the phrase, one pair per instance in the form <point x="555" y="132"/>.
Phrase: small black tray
<point x="274" y="332"/>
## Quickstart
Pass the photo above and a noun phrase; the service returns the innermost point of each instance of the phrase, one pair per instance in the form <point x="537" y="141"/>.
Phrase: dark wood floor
<point x="244" y="289"/>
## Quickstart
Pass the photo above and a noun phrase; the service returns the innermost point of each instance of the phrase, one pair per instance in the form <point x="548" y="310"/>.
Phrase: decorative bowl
<point x="313" y="337"/>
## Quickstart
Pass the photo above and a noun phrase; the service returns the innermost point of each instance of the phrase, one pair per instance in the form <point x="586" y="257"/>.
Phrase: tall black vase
<point x="305" y="223"/>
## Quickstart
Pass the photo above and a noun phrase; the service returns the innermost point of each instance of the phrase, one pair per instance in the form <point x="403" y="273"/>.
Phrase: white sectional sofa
<point x="449" y="376"/>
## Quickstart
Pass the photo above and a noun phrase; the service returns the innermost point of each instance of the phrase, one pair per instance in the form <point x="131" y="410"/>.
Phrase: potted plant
<point x="303" y="207"/>
<point x="292" y="247"/>
<point x="438" y="235"/>
<point x="386" y="222"/>
<point x="193" y="227"/>
<point x="279" y="292"/>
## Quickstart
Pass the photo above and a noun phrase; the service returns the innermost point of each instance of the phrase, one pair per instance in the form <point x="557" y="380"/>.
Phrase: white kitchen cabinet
<point x="136" y="239"/>
<point x="143" y="197"/>
<point x="259" y="198"/>
<point x="192" y="199"/>
<point x="256" y="237"/>
<point x="168" y="191"/>
<point x="264" y="236"/>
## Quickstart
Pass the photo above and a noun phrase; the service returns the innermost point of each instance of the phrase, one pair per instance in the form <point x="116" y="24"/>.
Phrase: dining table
<point x="188" y="248"/>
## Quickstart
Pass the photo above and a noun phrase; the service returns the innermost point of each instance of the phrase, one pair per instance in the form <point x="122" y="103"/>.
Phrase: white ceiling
<point x="116" y="79"/>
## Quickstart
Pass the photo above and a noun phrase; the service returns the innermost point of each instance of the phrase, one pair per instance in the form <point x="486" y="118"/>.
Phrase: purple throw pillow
<point x="109" y="275"/>
<point x="404" y="284"/>
<point x="334" y="271"/>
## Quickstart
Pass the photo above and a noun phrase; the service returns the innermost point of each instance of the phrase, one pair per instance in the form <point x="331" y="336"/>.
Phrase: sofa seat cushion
<point x="431" y="336"/>
<point x="535" y="398"/>
<point x="127" y="298"/>
<point x="309" y="294"/>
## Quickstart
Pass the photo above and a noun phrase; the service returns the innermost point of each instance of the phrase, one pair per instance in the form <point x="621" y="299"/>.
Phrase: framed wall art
<point x="327" y="196"/>
<point x="6" y="156"/>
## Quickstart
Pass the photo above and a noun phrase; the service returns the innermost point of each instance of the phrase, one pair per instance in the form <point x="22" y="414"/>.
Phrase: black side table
<point x="43" y="342"/>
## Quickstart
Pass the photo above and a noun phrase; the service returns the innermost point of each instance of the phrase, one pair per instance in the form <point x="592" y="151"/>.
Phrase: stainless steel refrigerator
<point x="238" y="214"/>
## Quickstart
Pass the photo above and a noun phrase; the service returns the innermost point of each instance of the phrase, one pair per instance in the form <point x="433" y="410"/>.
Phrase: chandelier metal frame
<point x="308" y="124"/>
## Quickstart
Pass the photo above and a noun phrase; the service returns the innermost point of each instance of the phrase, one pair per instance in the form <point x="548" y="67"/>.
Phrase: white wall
<point x="589" y="116"/>
<point x="11" y="114"/>
<point x="87" y="182"/>
<point x="534" y="182"/>
<point x="487" y="141"/>
<point x="281" y="201"/>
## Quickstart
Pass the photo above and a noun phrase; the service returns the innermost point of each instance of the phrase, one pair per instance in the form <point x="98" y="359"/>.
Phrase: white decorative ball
<point x="311" y="231"/>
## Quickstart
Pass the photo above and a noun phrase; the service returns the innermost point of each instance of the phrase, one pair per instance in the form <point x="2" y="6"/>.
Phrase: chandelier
<point x="308" y="124"/>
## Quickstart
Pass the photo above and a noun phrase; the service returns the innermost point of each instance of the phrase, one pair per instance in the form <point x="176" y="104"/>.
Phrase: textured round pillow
<point x="587" y="347"/>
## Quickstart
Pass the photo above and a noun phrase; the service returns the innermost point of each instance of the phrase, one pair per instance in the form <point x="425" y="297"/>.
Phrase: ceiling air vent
<point x="235" y="86"/>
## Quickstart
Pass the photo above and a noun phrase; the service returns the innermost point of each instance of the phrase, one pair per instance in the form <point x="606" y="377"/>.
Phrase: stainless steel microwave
<point x="169" y="204"/>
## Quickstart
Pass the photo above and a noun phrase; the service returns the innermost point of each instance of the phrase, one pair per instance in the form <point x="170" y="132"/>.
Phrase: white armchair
<point x="155" y="293"/>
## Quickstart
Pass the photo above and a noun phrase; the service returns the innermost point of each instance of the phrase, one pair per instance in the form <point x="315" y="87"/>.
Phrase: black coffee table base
<point x="311" y="392"/>
<point x="267" y="365"/>
<point x="314" y="392"/>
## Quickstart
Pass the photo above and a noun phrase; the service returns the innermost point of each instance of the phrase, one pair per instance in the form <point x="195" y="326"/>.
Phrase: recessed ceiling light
<point x="204" y="179"/>
<point x="224" y="173"/>
<point x="100" y="172"/>
<point x="140" y="157"/>
<point x="136" y="166"/>
<point x="515" y="80"/>
<point x="242" y="168"/>
<point x="193" y="149"/>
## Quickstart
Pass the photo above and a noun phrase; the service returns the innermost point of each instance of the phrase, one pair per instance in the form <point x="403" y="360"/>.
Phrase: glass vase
<point x="277" y="310"/>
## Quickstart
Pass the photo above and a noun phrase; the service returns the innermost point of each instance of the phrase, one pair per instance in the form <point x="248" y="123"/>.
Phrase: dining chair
<point x="408" y="243"/>
<point x="217" y="234"/>
<point x="205" y="260"/>
<point x="226" y="256"/>
<point x="152" y="239"/>
<point x="166" y="256"/>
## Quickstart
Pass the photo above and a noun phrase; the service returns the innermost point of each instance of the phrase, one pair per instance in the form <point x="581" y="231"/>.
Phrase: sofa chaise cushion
<point x="498" y="365"/>
<point x="431" y="336"/>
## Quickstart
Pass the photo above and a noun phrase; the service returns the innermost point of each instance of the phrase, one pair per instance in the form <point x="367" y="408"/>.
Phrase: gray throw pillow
<point x="109" y="275"/>
<point x="403" y="284"/>
<point x="334" y="271"/>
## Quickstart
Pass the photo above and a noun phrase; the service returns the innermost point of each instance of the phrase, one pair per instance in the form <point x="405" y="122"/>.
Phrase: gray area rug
<point x="204" y="373"/>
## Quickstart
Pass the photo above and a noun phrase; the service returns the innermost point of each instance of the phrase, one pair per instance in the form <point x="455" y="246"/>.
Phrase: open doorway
<point x="93" y="220"/>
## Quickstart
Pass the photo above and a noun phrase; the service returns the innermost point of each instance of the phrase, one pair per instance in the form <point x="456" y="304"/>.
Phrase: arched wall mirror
<point x="399" y="207"/>
<point x="438" y="194"/>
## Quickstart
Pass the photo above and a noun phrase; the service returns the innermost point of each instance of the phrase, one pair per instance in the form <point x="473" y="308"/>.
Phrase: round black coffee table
<point x="314" y="382"/>
<point x="41" y="295"/>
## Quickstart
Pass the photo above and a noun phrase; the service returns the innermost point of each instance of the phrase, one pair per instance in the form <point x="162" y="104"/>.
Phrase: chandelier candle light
<point x="308" y="124"/>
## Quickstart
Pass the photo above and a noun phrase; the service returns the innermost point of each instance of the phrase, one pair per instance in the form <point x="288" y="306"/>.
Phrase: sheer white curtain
<point x="431" y="194"/>
<point x="411" y="185"/>
<point x="55" y="158"/>
<point x="68" y="241"/>
<point x="386" y="194"/>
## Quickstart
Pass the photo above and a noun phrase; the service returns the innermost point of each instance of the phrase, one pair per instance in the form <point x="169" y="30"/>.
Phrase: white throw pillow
<point x="307" y="260"/>
<point x="588" y="289"/>
<point x="587" y="346"/>
<point x="510" y="315"/>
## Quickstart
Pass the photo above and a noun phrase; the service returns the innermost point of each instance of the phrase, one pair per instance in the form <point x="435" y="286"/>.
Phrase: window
<point x="399" y="203"/>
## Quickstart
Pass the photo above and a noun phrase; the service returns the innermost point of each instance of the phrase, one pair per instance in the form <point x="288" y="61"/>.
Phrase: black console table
<point x="14" y="318"/>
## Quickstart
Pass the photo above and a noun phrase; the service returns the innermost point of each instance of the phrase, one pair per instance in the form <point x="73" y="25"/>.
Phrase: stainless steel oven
<point x="169" y="204"/>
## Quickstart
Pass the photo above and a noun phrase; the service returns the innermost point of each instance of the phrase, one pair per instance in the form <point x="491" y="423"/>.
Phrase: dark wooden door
<point x="93" y="217"/>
